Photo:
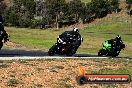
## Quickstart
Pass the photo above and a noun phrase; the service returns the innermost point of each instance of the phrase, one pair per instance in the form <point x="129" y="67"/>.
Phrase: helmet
<point x="118" y="37"/>
<point x="76" y="30"/>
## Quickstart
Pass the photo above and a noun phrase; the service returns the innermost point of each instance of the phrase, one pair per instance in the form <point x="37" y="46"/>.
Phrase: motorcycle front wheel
<point x="101" y="52"/>
<point x="52" y="50"/>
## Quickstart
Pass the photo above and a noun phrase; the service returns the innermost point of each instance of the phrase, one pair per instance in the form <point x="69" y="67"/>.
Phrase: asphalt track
<point x="6" y="54"/>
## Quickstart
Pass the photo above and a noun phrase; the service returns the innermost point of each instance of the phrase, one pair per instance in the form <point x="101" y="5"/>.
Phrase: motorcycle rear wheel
<point x="115" y="53"/>
<point x="1" y="45"/>
<point x="71" y="52"/>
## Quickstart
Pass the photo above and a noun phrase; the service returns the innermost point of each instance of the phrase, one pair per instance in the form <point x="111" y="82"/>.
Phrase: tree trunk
<point x="57" y="23"/>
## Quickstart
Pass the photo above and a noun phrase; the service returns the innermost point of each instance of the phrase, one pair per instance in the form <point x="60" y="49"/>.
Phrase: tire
<point x="71" y="52"/>
<point x="52" y="50"/>
<point x="101" y="52"/>
<point x="81" y="80"/>
<point x="123" y="46"/>
<point x="1" y="45"/>
<point x="115" y="54"/>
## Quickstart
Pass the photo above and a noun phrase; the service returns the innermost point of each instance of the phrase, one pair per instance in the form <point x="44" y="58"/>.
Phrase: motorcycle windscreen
<point x="106" y="45"/>
<point x="64" y="36"/>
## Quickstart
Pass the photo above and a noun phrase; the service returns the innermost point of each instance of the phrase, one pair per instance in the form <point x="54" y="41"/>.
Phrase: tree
<point x="129" y="4"/>
<point x="54" y="9"/>
<point x="76" y="8"/>
<point x="129" y="1"/>
<point x="29" y="7"/>
<point x="11" y="17"/>
<point x="129" y="7"/>
<point x="22" y="12"/>
<point x="98" y="6"/>
<point x="2" y="6"/>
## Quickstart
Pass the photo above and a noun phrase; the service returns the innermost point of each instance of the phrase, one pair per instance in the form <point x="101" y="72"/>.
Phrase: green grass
<point x="93" y="35"/>
<point x="86" y="1"/>
<point x="33" y="38"/>
<point x="104" y="31"/>
<point x="124" y="66"/>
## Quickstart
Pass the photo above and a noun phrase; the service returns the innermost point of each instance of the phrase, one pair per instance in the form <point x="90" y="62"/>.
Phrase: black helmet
<point x="76" y="30"/>
<point x="118" y="37"/>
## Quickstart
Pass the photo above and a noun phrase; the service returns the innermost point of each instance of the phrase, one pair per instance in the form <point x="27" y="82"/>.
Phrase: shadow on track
<point x="91" y="55"/>
<point x="13" y="53"/>
<point x="85" y="55"/>
<point x="34" y="53"/>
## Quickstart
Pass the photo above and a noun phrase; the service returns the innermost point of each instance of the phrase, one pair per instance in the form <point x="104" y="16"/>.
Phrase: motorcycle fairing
<point x="106" y="45"/>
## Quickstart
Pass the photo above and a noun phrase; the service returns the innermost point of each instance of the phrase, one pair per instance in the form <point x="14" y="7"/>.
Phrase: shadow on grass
<point x="125" y="57"/>
<point x="107" y="33"/>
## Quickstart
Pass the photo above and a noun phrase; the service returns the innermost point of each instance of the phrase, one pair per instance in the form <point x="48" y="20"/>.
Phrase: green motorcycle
<point x="110" y="50"/>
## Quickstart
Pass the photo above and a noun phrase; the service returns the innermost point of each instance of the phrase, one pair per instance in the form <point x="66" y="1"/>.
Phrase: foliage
<point x="2" y="6"/>
<point x="23" y="13"/>
<point x="129" y="1"/>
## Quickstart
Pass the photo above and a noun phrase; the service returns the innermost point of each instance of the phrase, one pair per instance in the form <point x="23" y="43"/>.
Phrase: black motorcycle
<point x="111" y="49"/>
<point x="3" y="38"/>
<point x="65" y="45"/>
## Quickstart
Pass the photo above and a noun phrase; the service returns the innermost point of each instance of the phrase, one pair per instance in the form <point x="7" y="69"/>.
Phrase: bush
<point x="12" y="82"/>
<point x="24" y="22"/>
<point x="129" y="1"/>
<point x="35" y="23"/>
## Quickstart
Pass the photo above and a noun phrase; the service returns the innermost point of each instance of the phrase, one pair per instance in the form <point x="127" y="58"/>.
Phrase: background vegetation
<point x="56" y="13"/>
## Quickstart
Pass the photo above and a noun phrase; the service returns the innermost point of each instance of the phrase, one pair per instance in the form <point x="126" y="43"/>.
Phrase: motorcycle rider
<point x="76" y="37"/>
<point x="112" y="47"/>
<point x="2" y="32"/>
<point x="119" y="42"/>
<point x="72" y="37"/>
<point x="116" y="43"/>
<point x="1" y="24"/>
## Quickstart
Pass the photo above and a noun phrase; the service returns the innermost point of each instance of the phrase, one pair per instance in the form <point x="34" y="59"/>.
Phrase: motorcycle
<point x="3" y="38"/>
<point x="64" y="46"/>
<point x="110" y="50"/>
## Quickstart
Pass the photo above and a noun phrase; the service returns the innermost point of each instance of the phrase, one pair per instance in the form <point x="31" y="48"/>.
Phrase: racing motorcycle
<point x="110" y="50"/>
<point x="64" y="45"/>
<point x="3" y="38"/>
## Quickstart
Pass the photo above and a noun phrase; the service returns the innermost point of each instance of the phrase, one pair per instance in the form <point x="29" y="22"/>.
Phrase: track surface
<point x="38" y="54"/>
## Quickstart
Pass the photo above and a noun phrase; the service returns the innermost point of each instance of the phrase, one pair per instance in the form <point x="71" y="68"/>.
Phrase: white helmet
<point x="76" y="30"/>
<point x="118" y="37"/>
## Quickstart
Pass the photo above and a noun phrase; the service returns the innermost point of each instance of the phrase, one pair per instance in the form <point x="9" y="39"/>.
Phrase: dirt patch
<point x="13" y="45"/>
<point x="49" y="73"/>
